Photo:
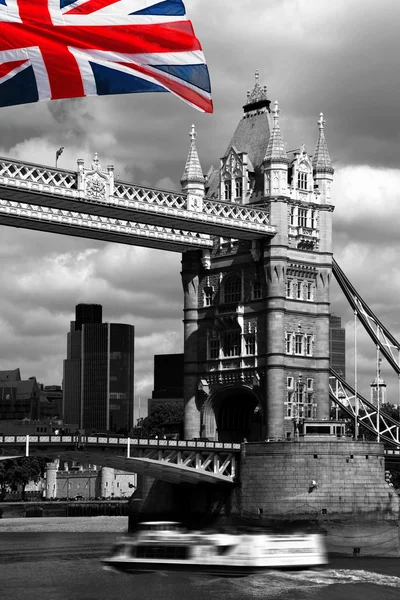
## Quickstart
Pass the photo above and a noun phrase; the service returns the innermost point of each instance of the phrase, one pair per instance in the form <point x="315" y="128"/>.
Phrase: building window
<point x="233" y="290"/>
<point x="228" y="189"/>
<point x="214" y="349"/>
<point x="310" y="290"/>
<point x="309" y="345"/>
<point x="302" y="217"/>
<point x="289" y="404"/>
<point x="298" y="343"/>
<point x="292" y="215"/>
<point x="313" y="222"/>
<point x="208" y="296"/>
<point x="231" y="343"/>
<point x="289" y="288"/>
<point x="238" y="187"/>
<point x="302" y="180"/>
<point x="257" y="289"/>
<point x="310" y="384"/>
<point x="250" y="343"/>
<point x="289" y="383"/>
<point x="289" y="343"/>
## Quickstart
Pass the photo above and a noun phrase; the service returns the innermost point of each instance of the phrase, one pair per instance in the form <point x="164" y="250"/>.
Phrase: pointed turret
<point x="193" y="172"/>
<point x="193" y="180"/>
<point x="322" y="165"/>
<point x="275" y="160"/>
<point x="321" y="160"/>
<point x="276" y="151"/>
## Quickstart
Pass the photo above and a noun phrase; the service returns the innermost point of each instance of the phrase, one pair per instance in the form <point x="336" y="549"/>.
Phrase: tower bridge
<point x="256" y="242"/>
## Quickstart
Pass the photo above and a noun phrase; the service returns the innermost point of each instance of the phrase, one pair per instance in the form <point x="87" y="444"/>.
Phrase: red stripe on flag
<point x="6" y="68"/>
<point x="90" y="7"/>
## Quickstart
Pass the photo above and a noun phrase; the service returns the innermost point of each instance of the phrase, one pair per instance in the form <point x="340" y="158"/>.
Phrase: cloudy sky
<point x="336" y="56"/>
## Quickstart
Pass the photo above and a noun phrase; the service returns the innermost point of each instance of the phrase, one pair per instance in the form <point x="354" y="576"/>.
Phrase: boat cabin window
<point x="162" y="552"/>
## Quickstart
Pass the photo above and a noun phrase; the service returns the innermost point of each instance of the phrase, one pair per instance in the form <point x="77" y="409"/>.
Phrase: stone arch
<point x="233" y="413"/>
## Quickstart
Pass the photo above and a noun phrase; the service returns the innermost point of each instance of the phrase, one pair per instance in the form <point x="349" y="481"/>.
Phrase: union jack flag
<point x="53" y="49"/>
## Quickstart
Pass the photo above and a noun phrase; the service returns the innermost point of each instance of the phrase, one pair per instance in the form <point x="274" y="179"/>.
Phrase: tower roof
<point x="193" y="171"/>
<point x="276" y="151"/>
<point x="321" y="159"/>
<point x="253" y="131"/>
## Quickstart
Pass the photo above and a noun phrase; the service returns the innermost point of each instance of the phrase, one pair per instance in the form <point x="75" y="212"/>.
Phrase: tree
<point x="18" y="472"/>
<point x="163" y="415"/>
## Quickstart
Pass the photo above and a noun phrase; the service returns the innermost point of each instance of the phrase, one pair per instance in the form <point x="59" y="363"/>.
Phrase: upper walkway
<point x="90" y="203"/>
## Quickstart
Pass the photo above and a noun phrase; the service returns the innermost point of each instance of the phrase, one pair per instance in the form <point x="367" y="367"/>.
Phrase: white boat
<point x="167" y="546"/>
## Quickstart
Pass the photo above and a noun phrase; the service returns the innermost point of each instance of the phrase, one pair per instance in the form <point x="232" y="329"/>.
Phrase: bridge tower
<point x="256" y="313"/>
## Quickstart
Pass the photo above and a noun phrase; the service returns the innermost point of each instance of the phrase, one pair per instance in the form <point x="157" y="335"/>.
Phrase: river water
<point x="67" y="566"/>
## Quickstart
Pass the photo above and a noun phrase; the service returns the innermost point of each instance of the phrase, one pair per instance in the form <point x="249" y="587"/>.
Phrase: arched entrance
<point x="233" y="414"/>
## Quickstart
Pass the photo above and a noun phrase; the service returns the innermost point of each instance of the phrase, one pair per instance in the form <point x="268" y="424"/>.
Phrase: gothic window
<point x="298" y="343"/>
<point x="302" y="180"/>
<point x="310" y="383"/>
<point x="250" y="343"/>
<point x="313" y="221"/>
<point x="231" y="343"/>
<point x="228" y="189"/>
<point x="299" y="290"/>
<point x="309" y="345"/>
<point x="257" y="289"/>
<point x="289" y="404"/>
<point x="302" y="217"/>
<point x="292" y="215"/>
<point x="208" y="296"/>
<point x="238" y="187"/>
<point x="310" y="290"/>
<point x="289" y="343"/>
<point x="289" y="382"/>
<point x="213" y="348"/>
<point x="289" y="288"/>
<point x="233" y="290"/>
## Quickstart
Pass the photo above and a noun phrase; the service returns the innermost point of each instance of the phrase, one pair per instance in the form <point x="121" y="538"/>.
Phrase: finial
<point x="257" y="75"/>
<point x="95" y="164"/>
<point x="321" y="121"/>
<point x="276" y="109"/>
<point x="192" y="133"/>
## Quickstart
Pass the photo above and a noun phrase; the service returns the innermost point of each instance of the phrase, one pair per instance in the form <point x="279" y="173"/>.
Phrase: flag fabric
<point x="53" y="49"/>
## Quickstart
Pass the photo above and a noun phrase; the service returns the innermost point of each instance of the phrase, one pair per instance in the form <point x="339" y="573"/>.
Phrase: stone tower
<point x="256" y="313"/>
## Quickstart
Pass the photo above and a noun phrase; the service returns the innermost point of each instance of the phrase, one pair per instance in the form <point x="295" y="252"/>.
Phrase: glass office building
<point x="99" y="373"/>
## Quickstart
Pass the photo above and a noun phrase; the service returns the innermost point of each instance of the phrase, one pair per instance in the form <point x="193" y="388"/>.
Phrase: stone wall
<point x="315" y="479"/>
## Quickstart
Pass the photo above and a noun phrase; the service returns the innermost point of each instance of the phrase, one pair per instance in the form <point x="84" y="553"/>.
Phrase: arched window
<point x="233" y="289"/>
<point x="228" y="189"/>
<point x="238" y="187"/>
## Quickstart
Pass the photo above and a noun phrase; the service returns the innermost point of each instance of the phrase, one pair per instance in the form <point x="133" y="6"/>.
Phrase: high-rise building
<point x="98" y="385"/>
<point x="168" y="380"/>
<point x="378" y="390"/>
<point x="337" y="346"/>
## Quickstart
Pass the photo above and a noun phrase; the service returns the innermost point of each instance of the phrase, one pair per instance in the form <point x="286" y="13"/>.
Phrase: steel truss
<point x="388" y="345"/>
<point x="67" y="222"/>
<point x="364" y="411"/>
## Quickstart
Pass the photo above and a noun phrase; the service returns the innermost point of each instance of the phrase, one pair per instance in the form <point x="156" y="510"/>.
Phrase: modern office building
<point x="168" y="380"/>
<point x="98" y="384"/>
<point x="337" y="346"/>
<point x="378" y="390"/>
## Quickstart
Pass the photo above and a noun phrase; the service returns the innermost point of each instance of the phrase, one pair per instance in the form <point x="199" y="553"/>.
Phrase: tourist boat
<point x="167" y="546"/>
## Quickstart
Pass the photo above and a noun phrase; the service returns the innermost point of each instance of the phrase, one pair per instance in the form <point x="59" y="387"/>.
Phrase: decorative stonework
<point x="95" y="183"/>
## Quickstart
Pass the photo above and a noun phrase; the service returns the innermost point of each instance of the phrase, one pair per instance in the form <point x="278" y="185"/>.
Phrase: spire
<point x="321" y="160"/>
<point x="257" y="98"/>
<point x="193" y="171"/>
<point x="276" y="151"/>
